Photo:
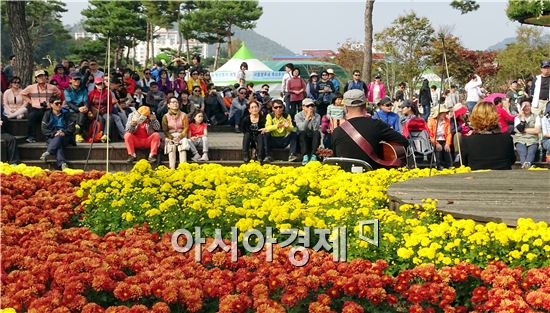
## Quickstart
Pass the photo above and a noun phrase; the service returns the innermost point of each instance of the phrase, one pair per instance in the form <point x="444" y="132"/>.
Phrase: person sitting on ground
<point x="197" y="99"/>
<point x="12" y="151"/>
<point x="154" y="96"/>
<point x="129" y="83"/>
<point x="215" y="110"/>
<point x="527" y="128"/>
<point x="460" y="127"/>
<point x="58" y="127"/>
<point x="545" y="143"/>
<point x="62" y="80"/>
<point x="253" y="126"/>
<point x="335" y="111"/>
<point x="198" y="137"/>
<point x="179" y="83"/>
<point x="163" y="105"/>
<point x="165" y="85"/>
<point x="385" y="114"/>
<point x="488" y="147"/>
<point x="175" y="125"/>
<point x="146" y="81"/>
<point x="186" y="106"/>
<point x="142" y="132"/>
<point x="98" y="100"/>
<point x="12" y="100"/>
<point x="238" y="106"/>
<point x="137" y="99"/>
<point x="76" y="98"/>
<point x="280" y="132"/>
<point x="439" y="126"/>
<point x="373" y="131"/>
<point x="227" y="97"/>
<point x="36" y="98"/>
<point x="193" y="82"/>
<point x="308" y="124"/>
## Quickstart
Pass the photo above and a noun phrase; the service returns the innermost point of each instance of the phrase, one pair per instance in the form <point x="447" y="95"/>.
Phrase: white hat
<point x="330" y="71"/>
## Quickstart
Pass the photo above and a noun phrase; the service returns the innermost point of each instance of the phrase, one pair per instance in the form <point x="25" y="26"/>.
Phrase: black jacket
<point x="246" y="123"/>
<point x="48" y="128"/>
<point x="488" y="152"/>
<point x="373" y="131"/>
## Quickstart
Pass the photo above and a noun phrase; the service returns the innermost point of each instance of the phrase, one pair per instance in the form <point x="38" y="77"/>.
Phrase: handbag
<point x="394" y="155"/>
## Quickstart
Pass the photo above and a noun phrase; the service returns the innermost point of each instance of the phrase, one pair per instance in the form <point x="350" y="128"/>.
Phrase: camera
<point x="43" y="104"/>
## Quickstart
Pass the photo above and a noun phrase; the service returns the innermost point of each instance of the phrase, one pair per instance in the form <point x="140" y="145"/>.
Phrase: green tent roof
<point x="243" y="53"/>
<point x="306" y="67"/>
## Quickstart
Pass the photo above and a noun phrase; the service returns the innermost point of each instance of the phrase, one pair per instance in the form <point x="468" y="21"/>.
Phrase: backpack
<point x="95" y="126"/>
<point x="350" y="85"/>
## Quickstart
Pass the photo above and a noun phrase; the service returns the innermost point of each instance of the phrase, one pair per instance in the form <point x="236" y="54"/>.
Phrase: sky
<point x="324" y="24"/>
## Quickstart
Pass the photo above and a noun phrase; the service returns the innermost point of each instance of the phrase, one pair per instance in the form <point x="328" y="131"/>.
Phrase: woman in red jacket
<point x="97" y="103"/>
<point x="296" y="88"/>
<point x="439" y="126"/>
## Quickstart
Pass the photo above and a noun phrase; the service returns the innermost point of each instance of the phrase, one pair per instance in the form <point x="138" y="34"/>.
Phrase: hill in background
<point x="501" y="45"/>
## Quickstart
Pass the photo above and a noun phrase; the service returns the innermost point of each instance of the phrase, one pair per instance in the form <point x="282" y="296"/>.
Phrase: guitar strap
<point x="364" y="144"/>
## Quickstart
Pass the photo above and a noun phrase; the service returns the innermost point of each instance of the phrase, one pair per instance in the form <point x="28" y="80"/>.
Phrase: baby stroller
<point x="420" y="150"/>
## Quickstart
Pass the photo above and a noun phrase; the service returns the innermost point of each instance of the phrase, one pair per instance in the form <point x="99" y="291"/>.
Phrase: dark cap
<point x="406" y="104"/>
<point x="545" y="64"/>
<point x="384" y="101"/>
<point x="76" y="75"/>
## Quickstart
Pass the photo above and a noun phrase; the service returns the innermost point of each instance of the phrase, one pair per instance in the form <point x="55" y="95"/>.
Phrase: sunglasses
<point x="16" y="82"/>
<point x="389" y="105"/>
<point x="277" y="107"/>
<point x="356" y="74"/>
<point x="57" y="102"/>
<point x="308" y="105"/>
<point x="196" y="91"/>
<point x="93" y="64"/>
<point x="147" y="73"/>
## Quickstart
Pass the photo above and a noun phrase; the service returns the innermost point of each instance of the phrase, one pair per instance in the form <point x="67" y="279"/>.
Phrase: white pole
<point x="108" y="101"/>
<point x="454" y="116"/>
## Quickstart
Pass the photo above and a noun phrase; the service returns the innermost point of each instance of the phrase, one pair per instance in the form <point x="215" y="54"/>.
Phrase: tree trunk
<point x="367" y="60"/>
<point x="20" y="41"/>
<point x="188" y="51"/>
<point x="180" y="41"/>
<point x="152" y="43"/>
<point x="229" y="45"/>
<point x="147" y="43"/>
<point x="216" y="57"/>
<point x="127" y="56"/>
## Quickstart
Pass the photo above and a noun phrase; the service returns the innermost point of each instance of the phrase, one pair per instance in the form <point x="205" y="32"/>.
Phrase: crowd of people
<point x="172" y="105"/>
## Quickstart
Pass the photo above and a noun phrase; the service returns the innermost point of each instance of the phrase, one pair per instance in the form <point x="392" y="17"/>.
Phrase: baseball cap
<point x="330" y="71"/>
<point x="545" y="64"/>
<point x="307" y="101"/>
<point x="384" y="101"/>
<point x="313" y="74"/>
<point x="76" y="75"/>
<point x="98" y="80"/>
<point x="354" y="98"/>
<point x="39" y="72"/>
<point x="406" y="104"/>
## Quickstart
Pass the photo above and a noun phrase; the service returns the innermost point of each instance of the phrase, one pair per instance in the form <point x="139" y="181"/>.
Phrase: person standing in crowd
<point x="95" y="72"/>
<point x="434" y="94"/>
<point x="76" y="98"/>
<point x="488" y="147"/>
<point x="142" y="132"/>
<point x="253" y="126"/>
<point x="165" y="85"/>
<point x="175" y="125"/>
<point x="198" y="137"/>
<point x="36" y="97"/>
<point x="312" y="91"/>
<point x="376" y="89"/>
<point x="460" y="127"/>
<point x="289" y="68"/>
<point x="296" y="88"/>
<point x="178" y="67"/>
<point x="527" y="126"/>
<point x="385" y="114"/>
<point x="541" y="89"/>
<point x="196" y="64"/>
<point x="63" y="81"/>
<point x="197" y="99"/>
<point x="439" y="126"/>
<point x="12" y="151"/>
<point x="241" y="74"/>
<point x="325" y="90"/>
<point x="400" y="93"/>
<point x="238" y="106"/>
<point x="154" y="96"/>
<point x="357" y="83"/>
<point x="146" y="81"/>
<point x="503" y="116"/>
<point x="451" y="98"/>
<point x="193" y="82"/>
<point x="215" y="110"/>
<point x="335" y="82"/>
<point x="513" y="95"/>
<point x="473" y="91"/>
<point x="372" y="130"/>
<point x="58" y="127"/>
<point x="179" y="83"/>
<point x="425" y="99"/>
<point x="545" y="143"/>
<point x="8" y="70"/>
<point x="308" y="124"/>
<point x="280" y="132"/>
<point x="12" y="100"/>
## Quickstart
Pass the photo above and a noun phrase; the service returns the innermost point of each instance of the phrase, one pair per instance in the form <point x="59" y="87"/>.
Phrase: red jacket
<point x="130" y="85"/>
<point x="503" y="118"/>
<point x="98" y="100"/>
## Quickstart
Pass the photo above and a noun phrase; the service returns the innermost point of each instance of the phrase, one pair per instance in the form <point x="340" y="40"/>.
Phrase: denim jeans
<point x="526" y="153"/>
<point x="281" y="142"/>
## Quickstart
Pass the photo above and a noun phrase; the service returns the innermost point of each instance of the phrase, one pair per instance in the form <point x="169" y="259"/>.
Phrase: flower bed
<point x="49" y="265"/>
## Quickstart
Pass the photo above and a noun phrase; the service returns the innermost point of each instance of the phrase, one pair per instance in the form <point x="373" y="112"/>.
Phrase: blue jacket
<point x="390" y="118"/>
<point x="76" y="98"/>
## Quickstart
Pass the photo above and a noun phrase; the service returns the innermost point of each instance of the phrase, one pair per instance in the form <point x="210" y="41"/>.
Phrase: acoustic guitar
<point x="393" y="153"/>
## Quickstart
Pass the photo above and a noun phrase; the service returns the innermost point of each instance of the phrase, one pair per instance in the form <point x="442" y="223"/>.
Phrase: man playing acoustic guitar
<point x="360" y="137"/>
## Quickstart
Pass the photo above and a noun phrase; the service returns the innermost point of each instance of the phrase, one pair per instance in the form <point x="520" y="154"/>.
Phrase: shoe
<point x="292" y="158"/>
<point x="457" y="158"/>
<point x="131" y="159"/>
<point x="30" y="140"/>
<point x="196" y="157"/>
<point x="64" y="166"/>
<point x="152" y="158"/>
<point x="526" y="165"/>
<point x="44" y="156"/>
<point x="237" y="130"/>
<point x="204" y="157"/>
<point x="267" y="159"/>
<point x="313" y="158"/>
<point x="305" y="160"/>
<point x="104" y="138"/>
<point x="246" y="159"/>
<point x="78" y="138"/>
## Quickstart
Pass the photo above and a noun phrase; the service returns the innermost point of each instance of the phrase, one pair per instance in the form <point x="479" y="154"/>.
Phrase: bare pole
<point x="108" y="101"/>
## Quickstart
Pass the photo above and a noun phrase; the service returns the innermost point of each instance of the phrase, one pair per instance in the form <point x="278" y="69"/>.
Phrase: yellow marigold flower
<point x="152" y="212"/>
<point x="127" y="216"/>
<point x="404" y="253"/>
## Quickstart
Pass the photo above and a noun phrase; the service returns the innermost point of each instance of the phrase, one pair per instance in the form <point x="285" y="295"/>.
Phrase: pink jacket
<point x="63" y="81"/>
<point x="371" y="91"/>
